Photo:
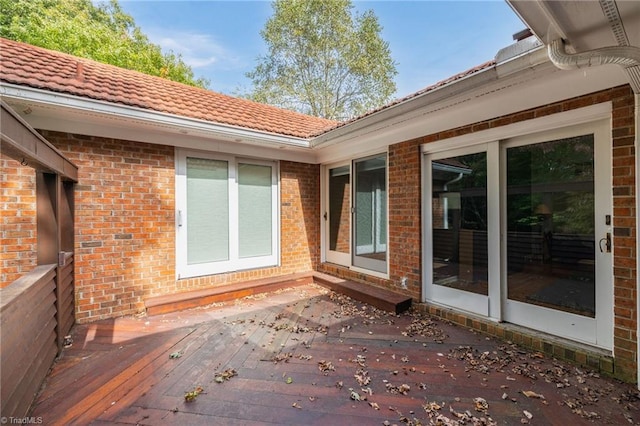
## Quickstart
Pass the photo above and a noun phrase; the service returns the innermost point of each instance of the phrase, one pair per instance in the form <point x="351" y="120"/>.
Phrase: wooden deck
<point x="380" y="298"/>
<point x="308" y="356"/>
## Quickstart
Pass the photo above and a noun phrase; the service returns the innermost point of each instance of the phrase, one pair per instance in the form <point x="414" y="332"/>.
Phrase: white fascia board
<point x="68" y="113"/>
<point x="574" y="117"/>
<point x="523" y="83"/>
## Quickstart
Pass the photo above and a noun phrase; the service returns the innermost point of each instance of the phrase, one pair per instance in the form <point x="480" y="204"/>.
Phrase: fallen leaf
<point x="225" y="375"/>
<point x="192" y="395"/>
<point x="325" y="367"/>
<point x="362" y="377"/>
<point x="532" y="394"/>
<point x="481" y="404"/>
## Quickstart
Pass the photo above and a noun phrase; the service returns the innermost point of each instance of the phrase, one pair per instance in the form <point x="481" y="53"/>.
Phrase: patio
<point x="306" y="355"/>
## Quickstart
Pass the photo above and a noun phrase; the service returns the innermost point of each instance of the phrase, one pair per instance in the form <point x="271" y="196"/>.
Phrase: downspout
<point x="454" y="180"/>
<point x="627" y="57"/>
<point x="445" y="206"/>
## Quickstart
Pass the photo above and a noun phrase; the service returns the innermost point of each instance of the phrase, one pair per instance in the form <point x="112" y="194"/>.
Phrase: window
<point x="370" y="220"/>
<point x="227" y="214"/>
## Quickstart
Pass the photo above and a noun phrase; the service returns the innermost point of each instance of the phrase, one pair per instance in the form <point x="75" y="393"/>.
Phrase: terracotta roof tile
<point x="27" y="65"/>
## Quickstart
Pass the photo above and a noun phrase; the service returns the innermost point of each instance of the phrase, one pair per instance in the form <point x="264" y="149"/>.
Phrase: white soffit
<point x="65" y="113"/>
<point x="484" y="99"/>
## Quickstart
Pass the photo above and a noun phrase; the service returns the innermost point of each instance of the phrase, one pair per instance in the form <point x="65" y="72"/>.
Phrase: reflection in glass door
<point x="550" y="218"/>
<point x="557" y="208"/>
<point x="339" y="215"/>
<point x="459" y="222"/>
<point x="370" y="213"/>
<point x="458" y="263"/>
<point x="519" y="230"/>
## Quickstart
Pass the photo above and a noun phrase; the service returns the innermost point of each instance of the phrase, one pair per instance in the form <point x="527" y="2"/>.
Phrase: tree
<point x="103" y="33"/>
<point x="323" y="61"/>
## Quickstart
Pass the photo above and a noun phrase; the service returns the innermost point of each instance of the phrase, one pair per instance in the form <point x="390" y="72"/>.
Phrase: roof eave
<point x="518" y="84"/>
<point x="43" y="109"/>
<point x="436" y="99"/>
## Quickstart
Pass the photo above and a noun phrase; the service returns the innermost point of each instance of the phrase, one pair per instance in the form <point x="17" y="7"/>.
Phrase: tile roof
<point x="420" y="92"/>
<point x="32" y="66"/>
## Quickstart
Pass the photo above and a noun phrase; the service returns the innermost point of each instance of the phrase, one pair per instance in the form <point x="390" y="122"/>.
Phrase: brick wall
<point x="18" y="225"/>
<point x="125" y="225"/>
<point x="405" y="224"/>
<point x="300" y="218"/>
<point x="625" y="246"/>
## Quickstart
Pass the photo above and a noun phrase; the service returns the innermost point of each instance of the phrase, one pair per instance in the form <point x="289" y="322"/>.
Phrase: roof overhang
<point x="61" y="112"/>
<point x="18" y="140"/>
<point x="521" y="83"/>
<point x="525" y="81"/>
<point x="586" y="26"/>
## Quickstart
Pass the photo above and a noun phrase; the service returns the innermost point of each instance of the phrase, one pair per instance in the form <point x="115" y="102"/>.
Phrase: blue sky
<point x="429" y="40"/>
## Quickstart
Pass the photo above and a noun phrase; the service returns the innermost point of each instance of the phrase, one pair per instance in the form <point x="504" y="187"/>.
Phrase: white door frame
<point x="594" y="119"/>
<point x="460" y="299"/>
<point x="339" y="258"/>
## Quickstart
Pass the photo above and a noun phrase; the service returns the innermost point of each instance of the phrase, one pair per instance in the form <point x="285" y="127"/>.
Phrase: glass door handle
<point x="606" y="242"/>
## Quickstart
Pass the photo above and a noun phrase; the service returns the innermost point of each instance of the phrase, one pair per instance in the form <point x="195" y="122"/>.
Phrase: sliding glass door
<point x="519" y="230"/>
<point x="370" y="213"/>
<point x="338" y="215"/>
<point x="355" y="214"/>
<point x="557" y="221"/>
<point x="457" y="199"/>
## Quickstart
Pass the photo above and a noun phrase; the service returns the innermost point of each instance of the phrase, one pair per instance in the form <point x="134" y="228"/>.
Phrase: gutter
<point x="627" y="57"/>
<point x="439" y="98"/>
<point x="137" y="116"/>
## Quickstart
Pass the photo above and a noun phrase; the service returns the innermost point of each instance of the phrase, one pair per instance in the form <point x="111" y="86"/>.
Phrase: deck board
<point x="120" y="371"/>
<point x="379" y="297"/>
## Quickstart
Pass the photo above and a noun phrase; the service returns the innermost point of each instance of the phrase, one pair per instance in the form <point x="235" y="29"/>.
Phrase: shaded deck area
<point x="305" y="355"/>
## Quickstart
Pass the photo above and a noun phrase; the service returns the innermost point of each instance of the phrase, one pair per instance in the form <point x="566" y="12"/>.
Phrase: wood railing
<point x="65" y="297"/>
<point x="37" y="312"/>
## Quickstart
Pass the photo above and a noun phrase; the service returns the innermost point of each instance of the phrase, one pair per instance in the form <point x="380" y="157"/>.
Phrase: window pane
<point x="550" y="225"/>
<point x="339" y="212"/>
<point x="207" y="210"/>
<point x="255" y="210"/>
<point x="370" y="227"/>
<point x="459" y="232"/>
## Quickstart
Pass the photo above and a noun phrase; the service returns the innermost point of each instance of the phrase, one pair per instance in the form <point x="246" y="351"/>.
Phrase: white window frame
<point x="234" y="263"/>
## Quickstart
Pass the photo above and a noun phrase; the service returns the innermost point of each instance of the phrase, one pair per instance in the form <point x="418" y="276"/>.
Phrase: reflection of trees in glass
<point x="551" y="180"/>
<point x="473" y="191"/>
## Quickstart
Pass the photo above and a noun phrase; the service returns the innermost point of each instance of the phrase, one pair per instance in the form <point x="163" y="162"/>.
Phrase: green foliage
<point x="555" y="176"/>
<point x="323" y="60"/>
<point x="103" y="33"/>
